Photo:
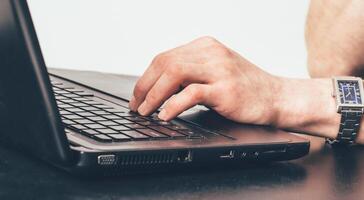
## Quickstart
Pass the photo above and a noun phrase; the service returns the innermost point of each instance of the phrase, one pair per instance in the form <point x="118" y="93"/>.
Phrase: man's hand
<point x="211" y="74"/>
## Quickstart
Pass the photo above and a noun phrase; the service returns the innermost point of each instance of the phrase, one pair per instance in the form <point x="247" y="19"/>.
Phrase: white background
<point x="122" y="36"/>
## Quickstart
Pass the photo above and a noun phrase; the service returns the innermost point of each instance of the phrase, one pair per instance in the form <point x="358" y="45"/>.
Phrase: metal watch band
<point x="349" y="126"/>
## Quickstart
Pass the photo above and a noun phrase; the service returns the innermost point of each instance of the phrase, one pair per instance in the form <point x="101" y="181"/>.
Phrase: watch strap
<point x="349" y="126"/>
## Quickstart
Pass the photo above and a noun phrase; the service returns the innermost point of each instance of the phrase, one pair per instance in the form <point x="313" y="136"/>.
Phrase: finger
<point x="147" y="80"/>
<point x="192" y="95"/>
<point x="168" y="84"/>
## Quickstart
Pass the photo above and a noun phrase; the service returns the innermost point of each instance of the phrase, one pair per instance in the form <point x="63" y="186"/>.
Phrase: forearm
<point x="307" y="105"/>
<point x="335" y="38"/>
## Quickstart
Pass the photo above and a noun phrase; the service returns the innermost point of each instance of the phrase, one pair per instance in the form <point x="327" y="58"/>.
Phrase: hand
<point x="210" y="74"/>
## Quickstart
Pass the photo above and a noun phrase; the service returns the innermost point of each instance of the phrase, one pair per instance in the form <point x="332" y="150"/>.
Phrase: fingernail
<point x="162" y="114"/>
<point x="132" y="103"/>
<point x="143" y="109"/>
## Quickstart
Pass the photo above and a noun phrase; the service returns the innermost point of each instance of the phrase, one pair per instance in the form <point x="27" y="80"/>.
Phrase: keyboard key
<point x="79" y="104"/>
<point x="147" y="123"/>
<point x="68" y="122"/>
<point x="125" y="114"/>
<point x="135" y="118"/>
<point x="91" y="102"/>
<point x="95" y="126"/>
<point x="70" y="95"/>
<point x="103" y="106"/>
<point x="135" y="126"/>
<point x="68" y="101"/>
<point x="167" y="131"/>
<point x="96" y="118"/>
<point x="122" y="121"/>
<point x="72" y="117"/>
<point x="83" y="121"/>
<point x="60" y="97"/>
<point x="163" y="123"/>
<point x="63" y="112"/>
<point x="74" y="90"/>
<point x="103" y="138"/>
<point x="61" y="92"/>
<point x="154" y="117"/>
<point x="66" y="106"/>
<point x="90" y="131"/>
<point x="81" y="99"/>
<point x="177" y="127"/>
<point x="119" y="136"/>
<point x="89" y="108"/>
<point x="107" y="131"/>
<point x="74" y="110"/>
<point x="100" y="112"/>
<point x="86" y="114"/>
<point x="78" y="126"/>
<point x="120" y="128"/>
<point x="134" y="134"/>
<point x="152" y="133"/>
<point x="111" y="116"/>
<point x="108" y="123"/>
<point x="119" y="110"/>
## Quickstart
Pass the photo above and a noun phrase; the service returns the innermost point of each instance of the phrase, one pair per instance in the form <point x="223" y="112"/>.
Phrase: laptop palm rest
<point x="250" y="134"/>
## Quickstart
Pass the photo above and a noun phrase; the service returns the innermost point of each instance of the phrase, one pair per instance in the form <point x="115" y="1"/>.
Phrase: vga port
<point x="106" y="159"/>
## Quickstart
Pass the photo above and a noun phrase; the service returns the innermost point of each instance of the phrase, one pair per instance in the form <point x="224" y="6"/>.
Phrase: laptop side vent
<point x="146" y="159"/>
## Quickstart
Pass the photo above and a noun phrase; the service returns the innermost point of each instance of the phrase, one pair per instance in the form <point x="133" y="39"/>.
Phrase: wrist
<point x="306" y="105"/>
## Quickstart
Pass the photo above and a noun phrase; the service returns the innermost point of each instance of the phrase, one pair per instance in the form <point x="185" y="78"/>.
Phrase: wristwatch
<point x="348" y="92"/>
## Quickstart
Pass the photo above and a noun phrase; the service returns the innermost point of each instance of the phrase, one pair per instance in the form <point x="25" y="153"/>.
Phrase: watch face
<point x="349" y="92"/>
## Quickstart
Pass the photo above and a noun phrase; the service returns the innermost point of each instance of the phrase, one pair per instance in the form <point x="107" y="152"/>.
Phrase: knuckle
<point x="174" y="70"/>
<point x="222" y="50"/>
<point x="229" y="88"/>
<point x="208" y="39"/>
<point x="161" y="60"/>
<point x="195" y="92"/>
<point x="139" y="90"/>
<point x="216" y="46"/>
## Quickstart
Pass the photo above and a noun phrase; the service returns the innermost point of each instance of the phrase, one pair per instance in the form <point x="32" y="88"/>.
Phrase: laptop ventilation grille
<point x="146" y="159"/>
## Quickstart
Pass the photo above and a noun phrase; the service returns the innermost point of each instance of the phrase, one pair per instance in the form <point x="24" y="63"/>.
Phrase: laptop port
<point x="184" y="156"/>
<point x="249" y="155"/>
<point x="106" y="159"/>
<point x="229" y="154"/>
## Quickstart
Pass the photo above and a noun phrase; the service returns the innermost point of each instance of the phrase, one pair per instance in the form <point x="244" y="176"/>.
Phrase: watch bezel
<point x="336" y="93"/>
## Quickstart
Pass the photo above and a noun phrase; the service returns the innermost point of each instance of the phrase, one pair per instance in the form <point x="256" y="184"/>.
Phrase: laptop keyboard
<point x="82" y="113"/>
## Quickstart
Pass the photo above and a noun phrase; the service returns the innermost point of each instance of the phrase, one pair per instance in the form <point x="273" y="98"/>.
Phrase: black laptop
<point x="86" y="130"/>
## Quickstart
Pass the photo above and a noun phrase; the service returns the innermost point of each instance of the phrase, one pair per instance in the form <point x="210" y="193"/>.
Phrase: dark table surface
<point x="326" y="173"/>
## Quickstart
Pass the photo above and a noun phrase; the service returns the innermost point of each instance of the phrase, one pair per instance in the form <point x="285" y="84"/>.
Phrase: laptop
<point x="85" y="130"/>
